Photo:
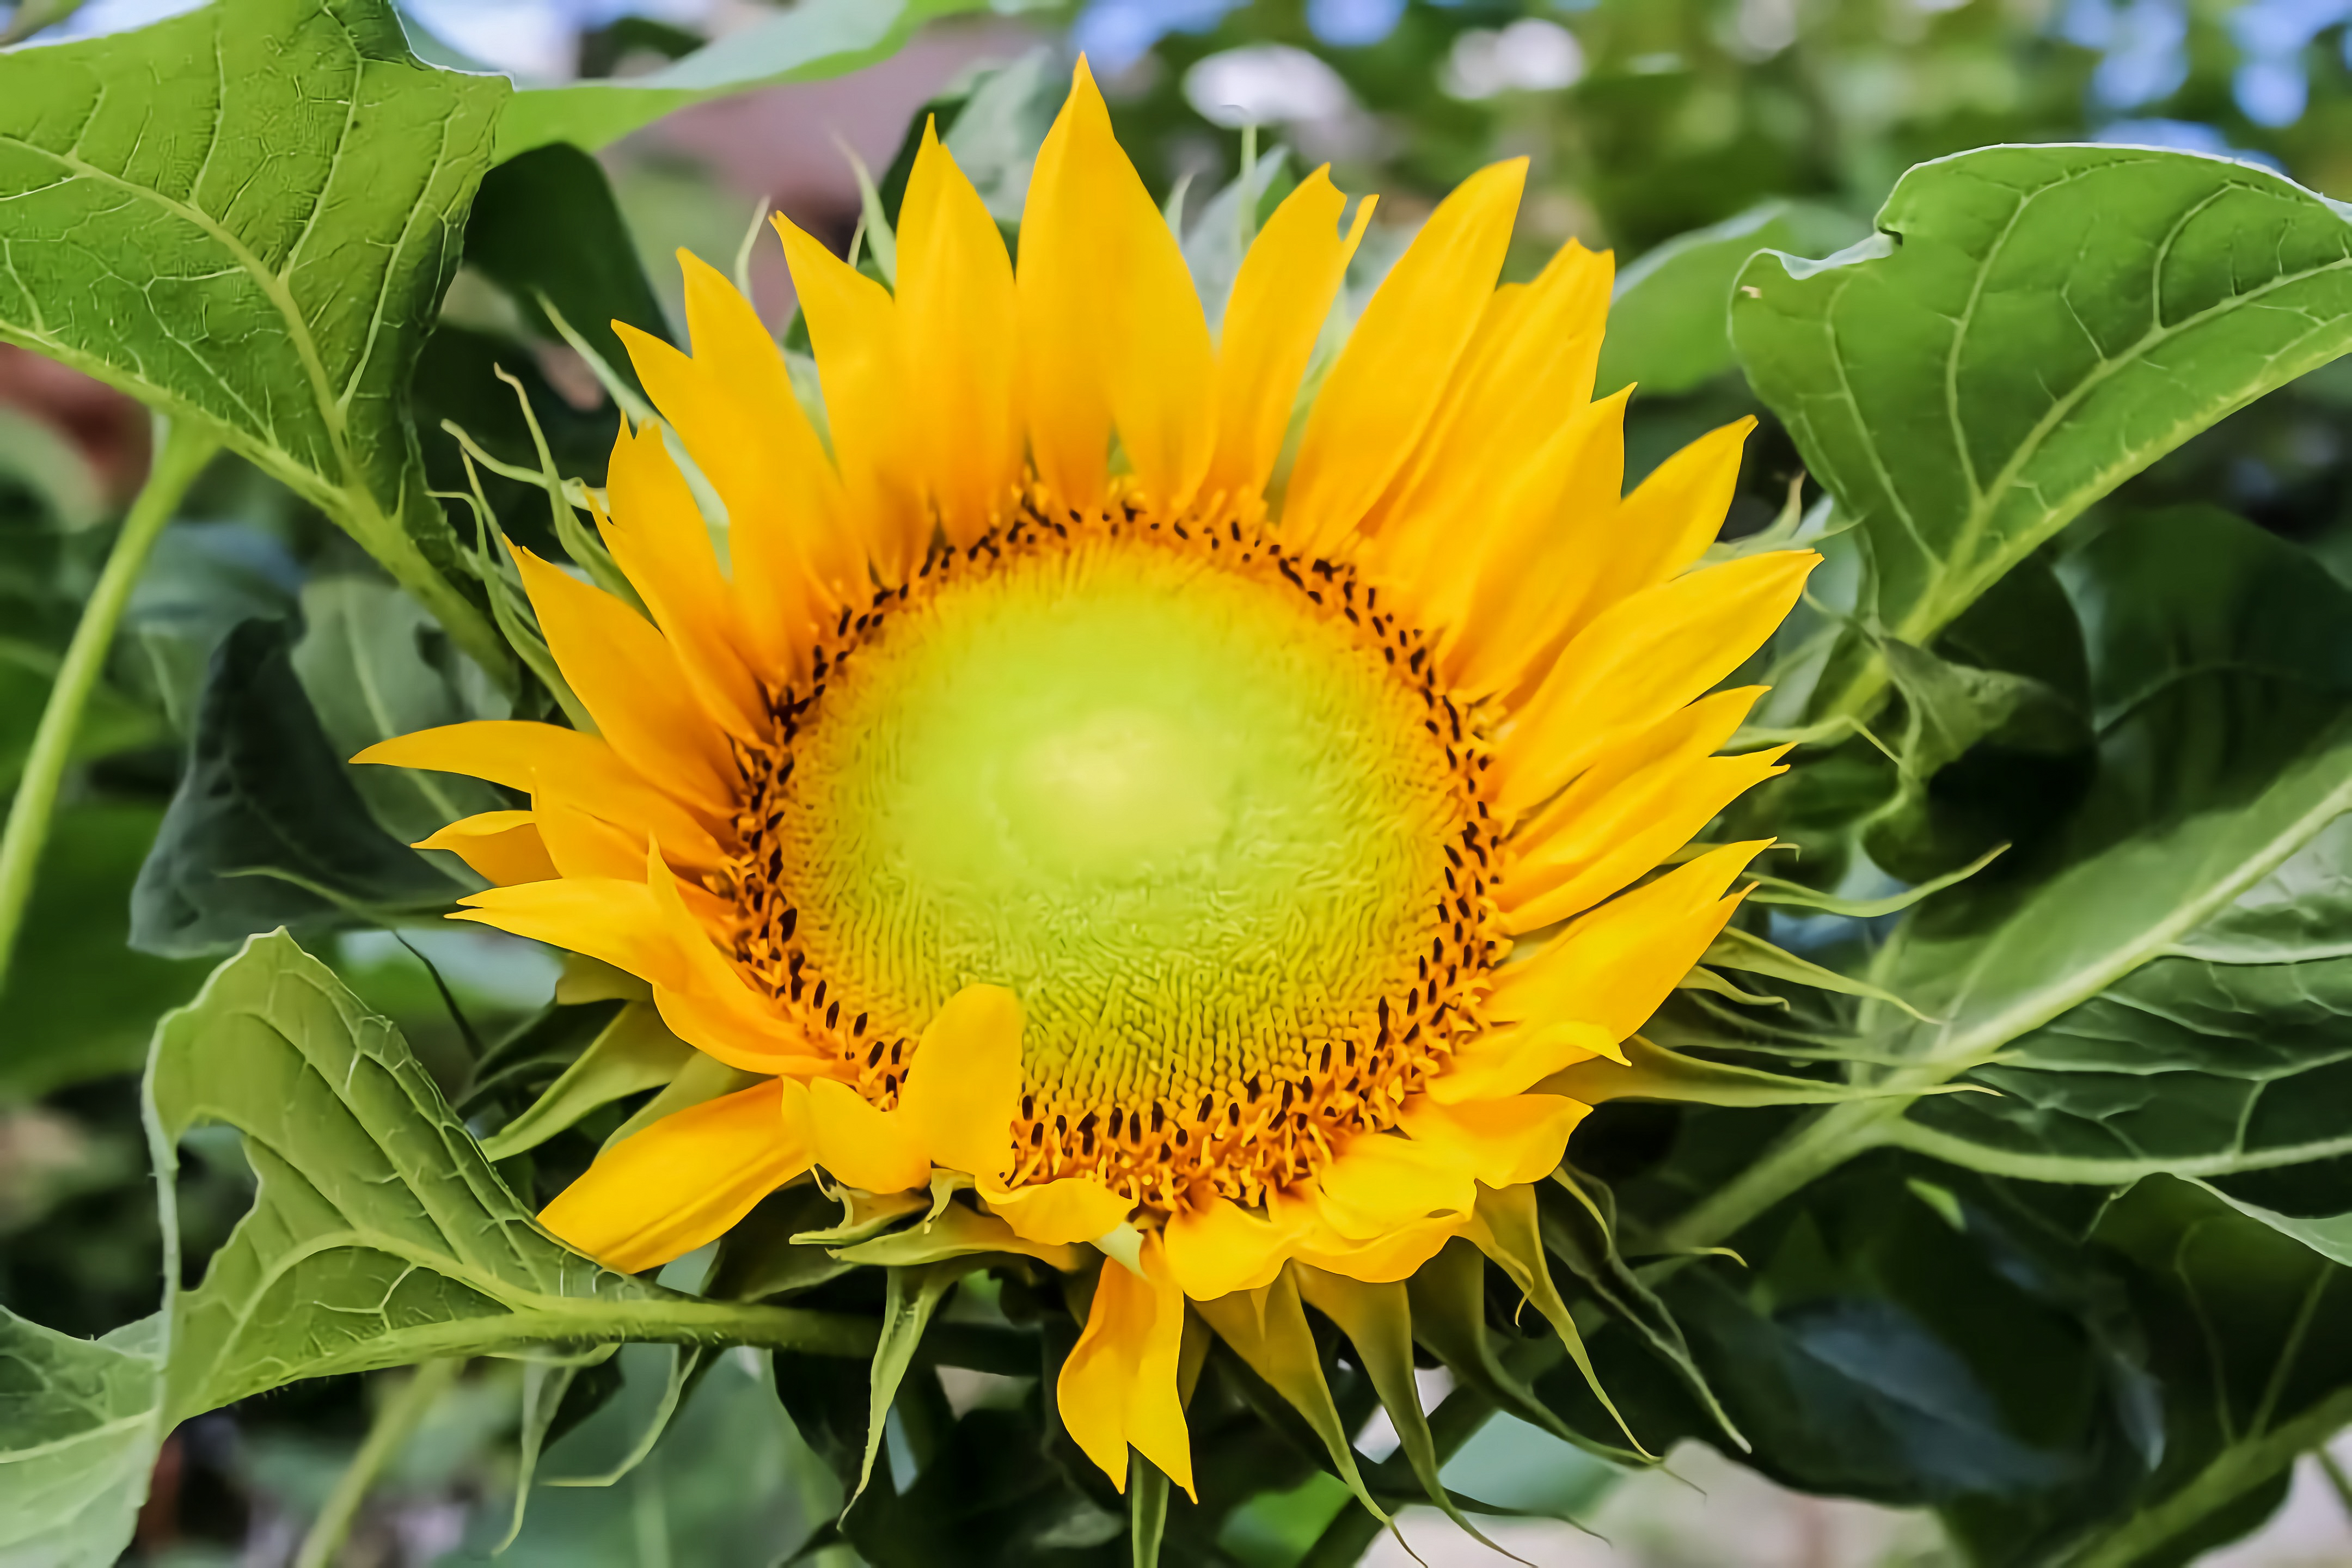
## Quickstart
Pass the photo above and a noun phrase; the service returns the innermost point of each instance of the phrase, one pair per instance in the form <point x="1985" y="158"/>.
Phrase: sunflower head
<point x="1034" y="801"/>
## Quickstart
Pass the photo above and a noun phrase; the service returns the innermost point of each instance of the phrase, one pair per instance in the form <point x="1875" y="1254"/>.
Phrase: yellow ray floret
<point x="1202" y="863"/>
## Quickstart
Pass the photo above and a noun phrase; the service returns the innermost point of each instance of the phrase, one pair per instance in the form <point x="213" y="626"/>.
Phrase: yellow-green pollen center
<point x="1198" y="808"/>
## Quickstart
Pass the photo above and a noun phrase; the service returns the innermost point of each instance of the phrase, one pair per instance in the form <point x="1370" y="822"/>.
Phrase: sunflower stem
<point x="182" y="450"/>
<point x="395" y="1420"/>
<point x="1806" y="1154"/>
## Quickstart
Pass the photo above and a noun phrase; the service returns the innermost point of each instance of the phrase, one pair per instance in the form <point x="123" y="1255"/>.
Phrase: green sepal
<point x="1448" y="1294"/>
<point x="1378" y="1322"/>
<point x="635" y="1052"/>
<point x="1267" y="1328"/>
<point x="1736" y="948"/>
<point x="1505" y="1227"/>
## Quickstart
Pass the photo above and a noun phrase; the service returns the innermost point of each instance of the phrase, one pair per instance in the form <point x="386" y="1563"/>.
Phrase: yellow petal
<point x="1280" y="297"/>
<point x="1527" y="373"/>
<point x="1112" y="327"/>
<point x="607" y="919"/>
<point x="659" y="539"/>
<point x="1070" y="1210"/>
<point x="502" y="847"/>
<point x="1215" y="1248"/>
<point x="1613" y="966"/>
<point x="1378" y="1183"/>
<point x="515" y="753"/>
<point x="1502" y="1143"/>
<point x="1384" y="1259"/>
<point x="629" y="682"/>
<point x="1118" y="1386"/>
<point x="1632" y="829"/>
<point x="961" y="315"/>
<point x="582" y="845"/>
<point x="964" y="1088"/>
<point x="1642" y="658"/>
<point x="711" y="1005"/>
<point x="1466" y="580"/>
<point x="1675" y="514"/>
<point x="861" y="362"/>
<point x="680" y="1183"/>
<point x="862" y="1145"/>
<point x="1508" y="1060"/>
<point x="1380" y="394"/>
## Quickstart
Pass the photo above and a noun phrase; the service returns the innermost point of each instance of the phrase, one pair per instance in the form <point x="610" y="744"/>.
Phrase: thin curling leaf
<point x="1652" y="1072"/>
<point x="1448" y="1296"/>
<point x="910" y="1297"/>
<point x="545" y="1385"/>
<point x="1378" y="1322"/>
<point x="1267" y="1328"/>
<point x="1736" y="948"/>
<point x="1504" y="1227"/>
<point x="687" y="1364"/>
<point x="635" y="1052"/>
<point x="1774" y="890"/>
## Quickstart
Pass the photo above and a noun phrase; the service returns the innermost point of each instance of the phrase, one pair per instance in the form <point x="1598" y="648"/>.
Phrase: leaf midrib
<point x="1932" y="611"/>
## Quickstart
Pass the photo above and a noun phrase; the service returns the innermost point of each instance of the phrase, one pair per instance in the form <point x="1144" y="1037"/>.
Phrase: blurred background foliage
<point x="1784" y="122"/>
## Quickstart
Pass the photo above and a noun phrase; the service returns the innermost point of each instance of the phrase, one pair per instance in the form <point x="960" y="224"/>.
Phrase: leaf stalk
<point x="182" y="450"/>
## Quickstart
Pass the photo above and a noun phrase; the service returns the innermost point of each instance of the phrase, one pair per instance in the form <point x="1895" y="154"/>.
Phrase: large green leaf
<point x="2030" y="327"/>
<point x="813" y="40"/>
<point x="80" y="1422"/>
<point x="379" y="1235"/>
<point x="2220" y="684"/>
<point x="245" y="216"/>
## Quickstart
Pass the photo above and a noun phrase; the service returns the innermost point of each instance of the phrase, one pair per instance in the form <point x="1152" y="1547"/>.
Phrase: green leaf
<point x="379" y="1233"/>
<point x="267" y="827"/>
<point x="1670" y="321"/>
<point x="820" y="39"/>
<point x="57" y="1026"/>
<point x="912" y="1295"/>
<point x="81" y="1421"/>
<point x="2253" y="1333"/>
<point x="373" y="664"/>
<point x="255" y="244"/>
<point x="1745" y="951"/>
<point x="634" y="1053"/>
<point x="546" y="229"/>
<point x="2189" y="1064"/>
<point x="2136" y="1014"/>
<point x="2030" y="327"/>
<point x="1652" y="1072"/>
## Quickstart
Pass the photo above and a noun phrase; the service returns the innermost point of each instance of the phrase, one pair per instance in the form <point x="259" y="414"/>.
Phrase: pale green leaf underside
<point x="380" y="1234"/>
<point x="2032" y="326"/>
<point x="79" y="1424"/>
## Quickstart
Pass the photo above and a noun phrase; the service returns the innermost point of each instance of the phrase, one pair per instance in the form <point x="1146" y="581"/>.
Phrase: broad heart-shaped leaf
<point x="2220" y="688"/>
<point x="2032" y="326"/>
<point x="813" y="40"/>
<point x="79" y="1424"/>
<point x="244" y="217"/>
<point x="379" y="1233"/>
<point x="267" y="828"/>
<point x="1669" y="323"/>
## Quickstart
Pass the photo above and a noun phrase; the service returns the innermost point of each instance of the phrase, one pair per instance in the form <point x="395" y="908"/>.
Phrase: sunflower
<point x="1181" y="846"/>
